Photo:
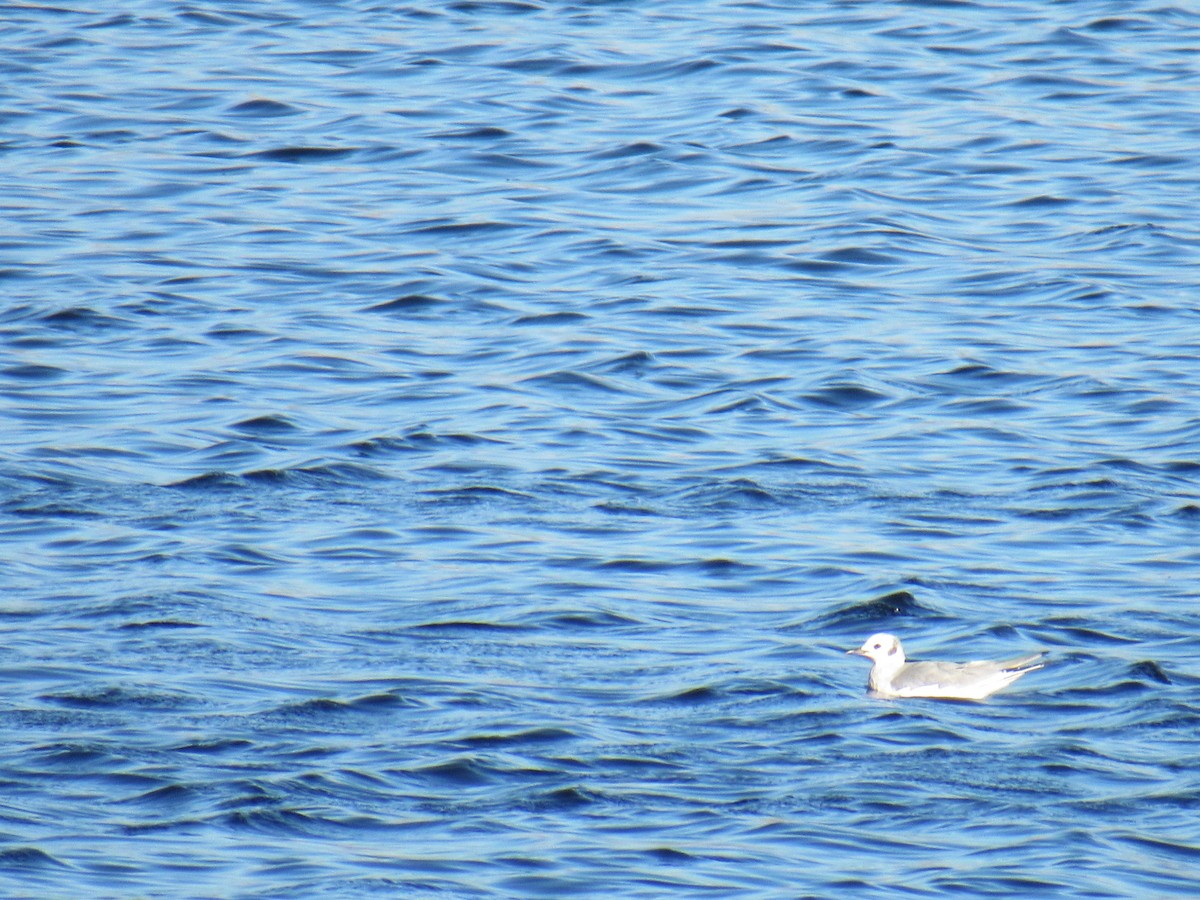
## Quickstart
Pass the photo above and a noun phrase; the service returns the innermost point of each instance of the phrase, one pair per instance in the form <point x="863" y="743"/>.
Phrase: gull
<point x="892" y="676"/>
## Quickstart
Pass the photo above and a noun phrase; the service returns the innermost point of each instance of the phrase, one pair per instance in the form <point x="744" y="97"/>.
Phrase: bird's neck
<point x="889" y="665"/>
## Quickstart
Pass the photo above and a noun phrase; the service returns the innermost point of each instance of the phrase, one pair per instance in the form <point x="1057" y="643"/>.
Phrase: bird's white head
<point x="882" y="649"/>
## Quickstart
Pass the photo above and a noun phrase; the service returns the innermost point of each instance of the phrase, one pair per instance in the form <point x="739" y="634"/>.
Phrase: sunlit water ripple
<point x="449" y="448"/>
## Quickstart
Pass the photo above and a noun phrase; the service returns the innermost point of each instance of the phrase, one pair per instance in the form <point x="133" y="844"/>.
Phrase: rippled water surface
<point x="447" y="449"/>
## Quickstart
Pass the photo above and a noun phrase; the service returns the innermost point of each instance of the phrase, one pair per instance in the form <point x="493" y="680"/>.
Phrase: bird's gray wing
<point x="926" y="674"/>
<point x="1032" y="660"/>
<point x="916" y="675"/>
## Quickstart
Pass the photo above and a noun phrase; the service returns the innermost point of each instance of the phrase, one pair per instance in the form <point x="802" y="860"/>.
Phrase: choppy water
<point x="448" y="449"/>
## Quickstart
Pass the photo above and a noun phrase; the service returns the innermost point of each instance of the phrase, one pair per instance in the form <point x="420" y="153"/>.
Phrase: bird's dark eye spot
<point x="877" y="646"/>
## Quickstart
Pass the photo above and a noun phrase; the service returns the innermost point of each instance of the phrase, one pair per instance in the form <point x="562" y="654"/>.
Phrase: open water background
<point x="448" y="448"/>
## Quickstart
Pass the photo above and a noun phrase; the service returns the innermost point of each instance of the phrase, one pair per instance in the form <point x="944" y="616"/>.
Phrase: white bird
<point x="892" y="676"/>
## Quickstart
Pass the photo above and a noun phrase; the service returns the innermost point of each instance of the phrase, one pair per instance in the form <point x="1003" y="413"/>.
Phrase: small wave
<point x="1155" y="847"/>
<point x="263" y="108"/>
<point x="27" y="858"/>
<point x="286" y="822"/>
<point x="408" y="304"/>
<point x="122" y="698"/>
<point x="740" y="493"/>
<point x="484" y="133"/>
<point x="465" y="771"/>
<point x="637" y="566"/>
<point x="574" y="382"/>
<point x="859" y="256"/>
<point x="209" y="481"/>
<point x="1148" y="670"/>
<point x="80" y="318"/>
<point x="530" y="737"/>
<point x="156" y="624"/>
<point x="637" y="148"/>
<point x="562" y="799"/>
<point x="461" y="229"/>
<point x="587" y="620"/>
<point x="1082" y="634"/>
<point x="687" y="696"/>
<point x="322" y="714"/>
<point x="474" y="494"/>
<point x="215" y="746"/>
<point x="303" y="154"/>
<point x="340" y="473"/>
<point x="846" y="396"/>
<point x="266" y="425"/>
<point x="552" y="318"/>
<point x="881" y="610"/>
<point x="33" y="372"/>
<point x="452" y="626"/>
<point x="162" y="797"/>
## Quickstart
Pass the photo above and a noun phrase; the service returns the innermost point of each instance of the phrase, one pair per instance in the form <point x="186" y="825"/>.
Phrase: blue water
<point x="447" y="449"/>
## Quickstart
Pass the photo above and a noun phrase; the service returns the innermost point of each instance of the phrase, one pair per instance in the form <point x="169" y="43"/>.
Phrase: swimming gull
<point x="892" y="676"/>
